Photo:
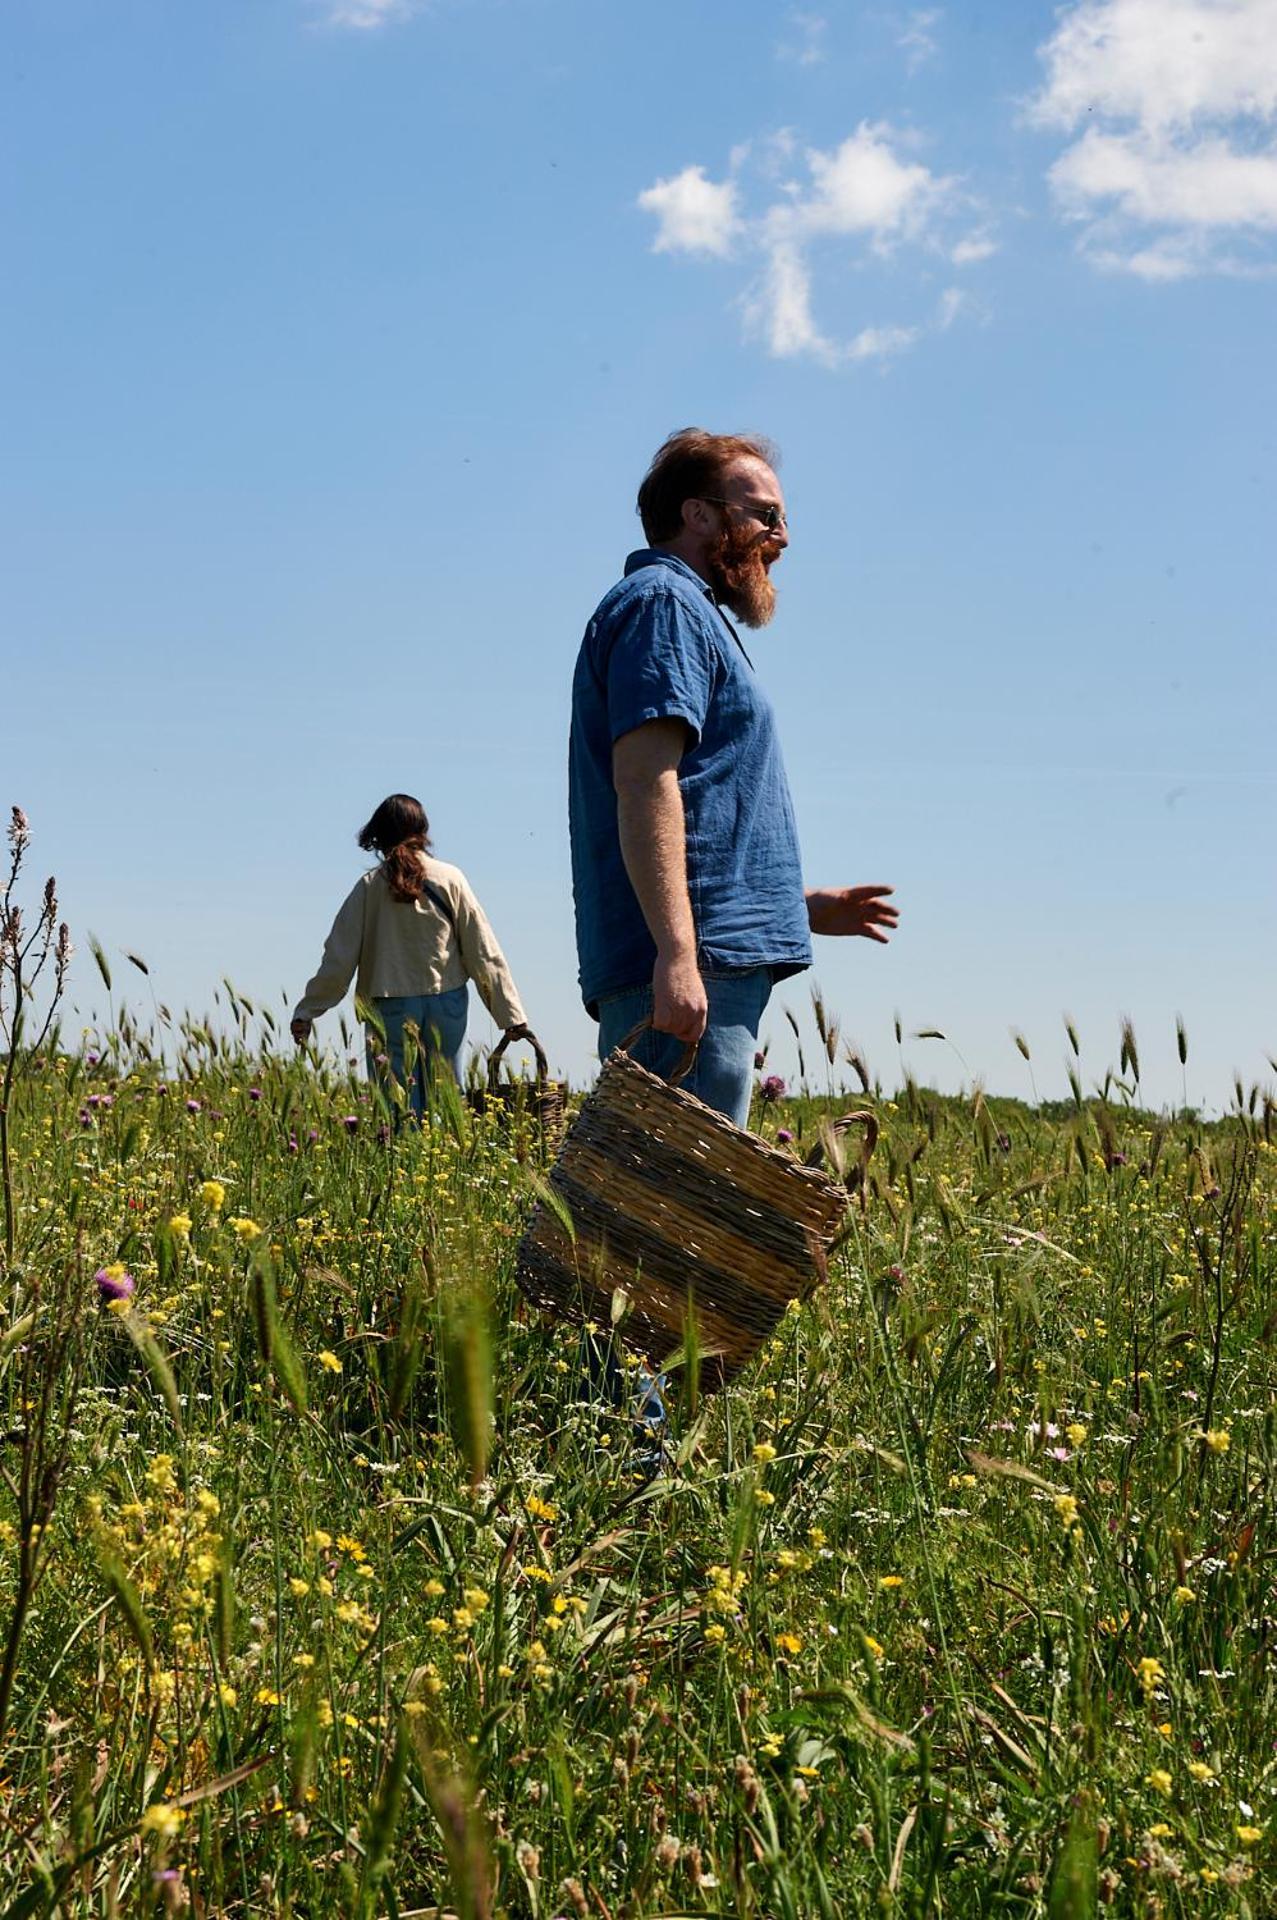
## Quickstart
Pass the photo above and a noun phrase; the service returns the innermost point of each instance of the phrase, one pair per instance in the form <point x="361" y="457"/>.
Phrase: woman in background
<point x="411" y="934"/>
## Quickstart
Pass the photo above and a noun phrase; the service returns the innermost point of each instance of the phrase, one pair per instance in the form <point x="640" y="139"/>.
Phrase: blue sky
<point x="337" y="337"/>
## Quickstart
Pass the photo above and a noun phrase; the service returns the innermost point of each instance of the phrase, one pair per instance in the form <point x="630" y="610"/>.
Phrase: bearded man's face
<point x="745" y="549"/>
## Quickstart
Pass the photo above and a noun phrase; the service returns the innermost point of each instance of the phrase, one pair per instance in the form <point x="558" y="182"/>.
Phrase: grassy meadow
<point x="323" y="1589"/>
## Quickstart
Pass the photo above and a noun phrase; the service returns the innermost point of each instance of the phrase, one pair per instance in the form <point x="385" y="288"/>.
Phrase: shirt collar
<point x="656" y="557"/>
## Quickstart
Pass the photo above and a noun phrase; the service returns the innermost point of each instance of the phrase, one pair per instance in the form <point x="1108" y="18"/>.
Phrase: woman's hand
<point x="300" y="1030"/>
<point x="517" y="1033"/>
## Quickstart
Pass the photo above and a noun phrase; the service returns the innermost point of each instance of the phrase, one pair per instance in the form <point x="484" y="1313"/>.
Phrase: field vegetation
<point x="327" y="1586"/>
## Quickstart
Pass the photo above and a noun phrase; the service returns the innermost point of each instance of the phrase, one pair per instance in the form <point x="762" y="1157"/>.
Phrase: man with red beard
<point x="686" y="874"/>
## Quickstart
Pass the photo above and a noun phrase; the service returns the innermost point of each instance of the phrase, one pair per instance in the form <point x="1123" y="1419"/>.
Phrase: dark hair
<point x="399" y="831"/>
<point x="690" y="466"/>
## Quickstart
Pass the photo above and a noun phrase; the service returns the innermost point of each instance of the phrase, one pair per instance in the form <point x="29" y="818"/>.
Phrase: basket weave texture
<point x="671" y="1202"/>
<point x="544" y="1099"/>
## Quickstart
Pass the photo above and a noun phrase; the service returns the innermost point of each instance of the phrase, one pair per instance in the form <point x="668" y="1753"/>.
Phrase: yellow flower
<point x="1149" y="1671"/>
<point x="891" y="1580"/>
<point x="437" y="1625"/>
<point x="329" y="1361"/>
<point x="816" y="1537"/>
<point x="1077" y="1434"/>
<point x="1218" y="1439"/>
<point x="1200" y="1770"/>
<point x="180" y="1226"/>
<point x="764" y="1452"/>
<point x="162" y="1817"/>
<point x="476" y="1599"/>
<point x="1161" y="1782"/>
<point x="716" y="1633"/>
<point x="541" y="1509"/>
<point x="298" y="1587"/>
<point x="227" y="1695"/>
<point x="320" y="1540"/>
<point x="267" y="1697"/>
<point x="1066" y="1507"/>
<point x="346" y="1543"/>
<point x="213" y="1194"/>
<point x="874" y="1646"/>
<point x="764" y="1498"/>
<point x="789" y="1643"/>
<point x="1184" y="1596"/>
<point x="245" y="1228"/>
<point x="434" y="1588"/>
<point x="1250" y="1836"/>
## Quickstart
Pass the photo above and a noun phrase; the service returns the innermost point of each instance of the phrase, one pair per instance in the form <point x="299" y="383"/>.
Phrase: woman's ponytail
<point x="400" y="832"/>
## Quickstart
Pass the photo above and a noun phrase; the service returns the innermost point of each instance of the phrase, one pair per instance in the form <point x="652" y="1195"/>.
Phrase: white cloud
<point x="807" y="48"/>
<point x="366" y="16"/>
<point x="863" y="200"/>
<point x="917" y="39"/>
<point x="1174" y="107"/>
<point x="972" y="248"/>
<point x="694" y="214"/>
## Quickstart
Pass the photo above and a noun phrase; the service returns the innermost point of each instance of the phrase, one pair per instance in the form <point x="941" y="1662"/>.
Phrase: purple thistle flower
<point x="192" y="1106"/>
<point x="784" y="1137"/>
<point x="350" y="1122"/>
<point x="772" y="1088"/>
<point x="254" y="1093"/>
<point x="161" y="1086"/>
<point x="292" y="1143"/>
<point x="113" y="1283"/>
<point x="312" y="1134"/>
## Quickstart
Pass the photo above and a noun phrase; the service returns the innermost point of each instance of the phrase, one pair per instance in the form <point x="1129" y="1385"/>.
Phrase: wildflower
<point x="114" y="1284"/>
<point x="329" y="1361"/>
<point x="1218" y="1439"/>
<point x="816" y="1537"/>
<point x="437" y="1625"/>
<point x="180" y="1226"/>
<point x="254" y="1093"/>
<point x="192" y="1106"/>
<point x="772" y="1088"/>
<point x="267" y="1697"/>
<point x="1161" y="1782"/>
<point x="1149" y="1672"/>
<point x="298" y="1588"/>
<point x="540" y="1509"/>
<point x="213" y="1195"/>
<point x="346" y="1543"/>
<point x="764" y="1452"/>
<point x="1066" y="1507"/>
<point x="1184" y="1596"/>
<point x="476" y="1599"/>
<point x="1250" y="1836"/>
<point x="789" y="1643"/>
<point x="874" y="1646"/>
<point x="716" y="1633"/>
<point x="784" y="1137"/>
<point x="351" y="1122"/>
<point x="245" y="1228"/>
<point x="1077" y="1434"/>
<point x="320" y="1540"/>
<point x="891" y="1580"/>
<point x="434" y="1588"/>
<point x="227" y="1695"/>
<point x="162" y="1817"/>
<point x="1200" y="1771"/>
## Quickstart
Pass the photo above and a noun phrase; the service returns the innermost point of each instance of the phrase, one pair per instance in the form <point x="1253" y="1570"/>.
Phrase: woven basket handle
<point x="494" y="1060"/>
<point x="684" y="1066"/>
<point x="862" y="1117"/>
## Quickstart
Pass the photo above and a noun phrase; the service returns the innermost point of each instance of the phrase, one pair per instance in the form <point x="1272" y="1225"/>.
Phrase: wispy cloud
<point x="917" y="38"/>
<point x="1172" y="169"/>
<point x="868" y="198"/>
<point x="804" y="45"/>
<point x="366" y="16"/>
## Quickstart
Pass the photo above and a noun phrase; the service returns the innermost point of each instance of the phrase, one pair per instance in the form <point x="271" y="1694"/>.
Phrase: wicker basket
<point x="670" y="1203"/>
<point x="543" y="1098"/>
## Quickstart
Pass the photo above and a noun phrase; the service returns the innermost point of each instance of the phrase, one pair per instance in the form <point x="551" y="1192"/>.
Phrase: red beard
<point x="738" y="575"/>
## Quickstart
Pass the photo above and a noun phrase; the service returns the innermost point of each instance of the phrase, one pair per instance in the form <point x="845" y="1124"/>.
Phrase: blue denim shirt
<point x="659" y="648"/>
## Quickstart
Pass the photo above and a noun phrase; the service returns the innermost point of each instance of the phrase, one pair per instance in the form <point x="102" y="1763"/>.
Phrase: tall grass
<point x="960" y="1601"/>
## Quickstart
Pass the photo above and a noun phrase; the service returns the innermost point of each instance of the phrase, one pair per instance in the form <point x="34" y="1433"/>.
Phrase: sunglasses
<point x="772" y="517"/>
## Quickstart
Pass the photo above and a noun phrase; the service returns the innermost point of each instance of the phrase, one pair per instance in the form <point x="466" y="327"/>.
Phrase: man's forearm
<point x="653" y="835"/>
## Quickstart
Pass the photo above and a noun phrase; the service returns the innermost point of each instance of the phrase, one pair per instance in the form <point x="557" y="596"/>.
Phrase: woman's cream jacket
<point x="392" y="947"/>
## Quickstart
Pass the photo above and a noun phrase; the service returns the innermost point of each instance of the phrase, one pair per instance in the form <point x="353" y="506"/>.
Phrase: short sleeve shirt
<point x="660" y="648"/>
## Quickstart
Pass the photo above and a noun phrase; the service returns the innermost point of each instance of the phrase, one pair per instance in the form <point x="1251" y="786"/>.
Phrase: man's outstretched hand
<point x="863" y="910"/>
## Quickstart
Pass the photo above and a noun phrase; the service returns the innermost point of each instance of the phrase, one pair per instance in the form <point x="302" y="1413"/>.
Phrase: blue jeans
<point x="723" y="1073"/>
<point x="440" y="1019"/>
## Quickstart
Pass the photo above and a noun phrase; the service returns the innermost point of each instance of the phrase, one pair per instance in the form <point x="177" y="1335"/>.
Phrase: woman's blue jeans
<point x="440" y="1019"/>
<point x="723" y="1073"/>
